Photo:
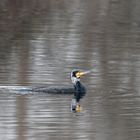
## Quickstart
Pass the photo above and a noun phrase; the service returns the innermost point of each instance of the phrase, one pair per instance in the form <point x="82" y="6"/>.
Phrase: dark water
<point x="42" y="41"/>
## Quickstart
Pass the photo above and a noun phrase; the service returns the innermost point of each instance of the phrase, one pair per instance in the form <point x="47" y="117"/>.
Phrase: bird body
<point x="59" y="89"/>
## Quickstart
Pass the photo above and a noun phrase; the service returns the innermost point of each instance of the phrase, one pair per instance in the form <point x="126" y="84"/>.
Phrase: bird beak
<point x="81" y="73"/>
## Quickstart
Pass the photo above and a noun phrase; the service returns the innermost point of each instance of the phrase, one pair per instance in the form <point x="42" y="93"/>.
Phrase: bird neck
<point x="75" y="80"/>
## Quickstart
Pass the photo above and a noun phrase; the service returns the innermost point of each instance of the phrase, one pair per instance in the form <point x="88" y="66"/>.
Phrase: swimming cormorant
<point x="77" y="89"/>
<point x="80" y="90"/>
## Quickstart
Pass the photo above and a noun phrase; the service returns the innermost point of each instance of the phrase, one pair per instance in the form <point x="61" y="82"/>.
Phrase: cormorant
<point x="80" y="90"/>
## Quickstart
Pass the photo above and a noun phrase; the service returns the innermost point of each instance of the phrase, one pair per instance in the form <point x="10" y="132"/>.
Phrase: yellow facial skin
<point x="78" y="108"/>
<point x="79" y="74"/>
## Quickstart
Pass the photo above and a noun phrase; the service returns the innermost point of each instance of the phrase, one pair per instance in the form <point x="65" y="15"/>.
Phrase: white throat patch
<point x="74" y="80"/>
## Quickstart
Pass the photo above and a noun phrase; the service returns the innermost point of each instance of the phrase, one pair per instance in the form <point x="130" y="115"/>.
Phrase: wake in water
<point x="15" y="89"/>
<point x="40" y="89"/>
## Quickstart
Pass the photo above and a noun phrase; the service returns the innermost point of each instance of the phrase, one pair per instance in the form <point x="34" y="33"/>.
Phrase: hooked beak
<point x="81" y="73"/>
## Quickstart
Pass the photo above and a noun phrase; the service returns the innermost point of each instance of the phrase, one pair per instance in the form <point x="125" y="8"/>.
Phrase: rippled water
<point x="42" y="42"/>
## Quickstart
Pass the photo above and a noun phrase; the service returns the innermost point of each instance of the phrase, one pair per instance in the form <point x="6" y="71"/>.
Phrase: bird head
<point x="77" y="74"/>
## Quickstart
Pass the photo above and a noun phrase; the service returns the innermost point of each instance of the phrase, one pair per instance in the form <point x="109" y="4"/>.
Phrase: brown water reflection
<point x="41" y="42"/>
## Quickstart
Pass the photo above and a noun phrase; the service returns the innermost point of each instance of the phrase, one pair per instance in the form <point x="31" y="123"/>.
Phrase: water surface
<point x="41" y="42"/>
